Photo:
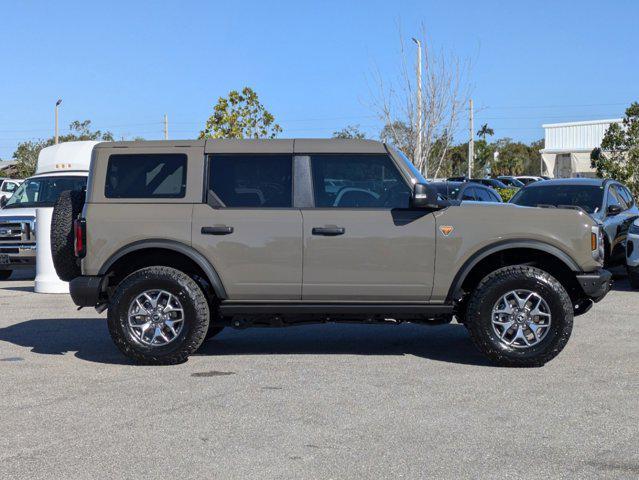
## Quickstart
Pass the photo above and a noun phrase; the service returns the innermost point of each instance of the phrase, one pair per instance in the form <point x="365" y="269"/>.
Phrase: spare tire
<point x="66" y="209"/>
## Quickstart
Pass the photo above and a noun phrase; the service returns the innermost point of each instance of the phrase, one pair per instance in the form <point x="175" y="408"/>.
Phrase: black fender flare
<point x="193" y="254"/>
<point x="455" y="289"/>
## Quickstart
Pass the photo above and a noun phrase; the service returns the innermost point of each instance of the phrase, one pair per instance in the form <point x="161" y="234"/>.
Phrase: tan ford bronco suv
<point x="179" y="239"/>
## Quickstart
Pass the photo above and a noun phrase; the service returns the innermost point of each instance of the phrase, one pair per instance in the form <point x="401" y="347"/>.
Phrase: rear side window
<point x="483" y="195"/>
<point x="252" y="181"/>
<point x="146" y="176"/>
<point x="469" y="194"/>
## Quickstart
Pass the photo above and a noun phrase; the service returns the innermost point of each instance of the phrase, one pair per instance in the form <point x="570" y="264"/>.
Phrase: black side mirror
<point x="424" y="196"/>
<point x="613" y="210"/>
<point x="3" y="202"/>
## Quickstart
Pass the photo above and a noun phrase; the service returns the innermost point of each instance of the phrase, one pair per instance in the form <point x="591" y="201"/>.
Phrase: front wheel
<point x="520" y="316"/>
<point x="5" y="274"/>
<point x="158" y="316"/>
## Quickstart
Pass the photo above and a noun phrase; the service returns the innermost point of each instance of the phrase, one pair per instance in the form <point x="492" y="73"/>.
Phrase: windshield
<point x="413" y="169"/>
<point x="588" y="197"/>
<point x="43" y="191"/>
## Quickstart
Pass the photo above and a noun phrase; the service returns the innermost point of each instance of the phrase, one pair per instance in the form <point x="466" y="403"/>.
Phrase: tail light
<point x="597" y="243"/>
<point x="79" y="234"/>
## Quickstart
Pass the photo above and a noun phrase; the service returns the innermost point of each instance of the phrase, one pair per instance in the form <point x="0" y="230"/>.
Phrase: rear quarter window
<point x="146" y="176"/>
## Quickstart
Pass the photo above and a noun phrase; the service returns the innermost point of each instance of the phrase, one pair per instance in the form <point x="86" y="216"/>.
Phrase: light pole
<point x="57" y="104"/>
<point x="471" y="141"/>
<point x="418" y="145"/>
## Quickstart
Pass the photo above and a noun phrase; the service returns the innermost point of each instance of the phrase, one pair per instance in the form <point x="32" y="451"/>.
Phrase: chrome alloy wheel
<point x="156" y="318"/>
<point x="521" y="318"/>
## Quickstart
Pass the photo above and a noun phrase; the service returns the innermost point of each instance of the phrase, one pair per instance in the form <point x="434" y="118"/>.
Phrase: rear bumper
<point x="87" y="291"/>
<point x="595" y="284"/>
<point x="19" y="255"/>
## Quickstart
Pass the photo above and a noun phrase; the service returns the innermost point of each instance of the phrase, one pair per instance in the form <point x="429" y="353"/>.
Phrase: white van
<point x="60" y="167"/>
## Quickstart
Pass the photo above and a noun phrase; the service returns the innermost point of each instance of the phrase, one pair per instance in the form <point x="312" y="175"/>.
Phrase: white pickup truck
<point x="60" y="167"/>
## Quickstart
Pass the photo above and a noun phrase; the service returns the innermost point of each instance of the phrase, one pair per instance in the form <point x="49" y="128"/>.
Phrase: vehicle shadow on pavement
<point x="447" y="343"/>
<point x="88" y="339"/>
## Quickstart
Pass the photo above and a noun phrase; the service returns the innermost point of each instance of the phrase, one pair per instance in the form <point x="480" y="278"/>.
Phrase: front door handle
<point x="219" y="230"/>
<point x="328" y="231"/>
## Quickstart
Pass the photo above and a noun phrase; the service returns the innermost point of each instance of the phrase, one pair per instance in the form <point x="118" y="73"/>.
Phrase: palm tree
<point x="485" y="130"/>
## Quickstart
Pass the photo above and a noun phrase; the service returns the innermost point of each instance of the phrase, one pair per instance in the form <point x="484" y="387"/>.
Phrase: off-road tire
<point x="498" y="283"/>
<point x="67" y="208"/>
<point x="196" y="314"/>
<point x="5" y="274"/>
<point x="633" y="276"/>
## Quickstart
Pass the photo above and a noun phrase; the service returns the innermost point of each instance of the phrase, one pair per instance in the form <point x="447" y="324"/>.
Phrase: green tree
<point x="241" y="115"/>
<point x="401" y="136"/>
<point x="350" y="131"/>
<point x="484" y="131"/>
<point x="26" y="154"/>
<point x="618" y="156"/>
<point x="517" y="158"/>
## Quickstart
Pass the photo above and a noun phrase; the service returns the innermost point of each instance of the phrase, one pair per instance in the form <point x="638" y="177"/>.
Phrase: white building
<point x="568" y="146"/>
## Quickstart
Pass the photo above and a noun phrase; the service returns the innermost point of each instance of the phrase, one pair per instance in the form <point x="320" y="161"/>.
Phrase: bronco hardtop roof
<point x="294" y="145"/>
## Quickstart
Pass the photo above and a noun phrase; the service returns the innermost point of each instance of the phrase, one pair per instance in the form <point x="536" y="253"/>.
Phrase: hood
<point x="6" y="213"/>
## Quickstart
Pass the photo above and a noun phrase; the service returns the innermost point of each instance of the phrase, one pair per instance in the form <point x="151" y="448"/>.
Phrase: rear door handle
<point x="328" y="231"/>
<point x="219" y="230"/>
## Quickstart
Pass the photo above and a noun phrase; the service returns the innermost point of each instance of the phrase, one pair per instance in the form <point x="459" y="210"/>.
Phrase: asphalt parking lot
<point x="327" y="401"/>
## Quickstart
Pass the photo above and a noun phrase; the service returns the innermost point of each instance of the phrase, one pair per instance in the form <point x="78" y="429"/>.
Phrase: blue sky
<point x="124" y="64"/>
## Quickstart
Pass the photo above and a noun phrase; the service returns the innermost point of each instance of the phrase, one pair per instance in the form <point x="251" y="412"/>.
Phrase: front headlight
<point x="597" y="243"/>
<point x="634" y="228"/>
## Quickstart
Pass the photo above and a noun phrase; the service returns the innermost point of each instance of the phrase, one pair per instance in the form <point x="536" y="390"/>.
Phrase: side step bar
<point x="237" y="308"/>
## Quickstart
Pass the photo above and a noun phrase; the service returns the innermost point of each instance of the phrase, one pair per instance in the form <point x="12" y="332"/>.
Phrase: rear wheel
<point x="5" y="274"/>
<point x="158" y="316"/>
<point x="520" y="316"/>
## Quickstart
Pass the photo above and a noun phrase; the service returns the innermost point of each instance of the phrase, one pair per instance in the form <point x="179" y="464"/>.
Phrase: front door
<point x="362" y="242"/>
<point x="248" y="228"/>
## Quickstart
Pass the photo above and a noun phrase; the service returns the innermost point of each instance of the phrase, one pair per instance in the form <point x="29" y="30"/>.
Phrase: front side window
<point x="625" y="195"/>
<point x="358" y="181"/>
<point x="252" y="181"/>
<point x="146" y="176"/>
<point x="43" y="191"/>
<point x="615" y="199"/>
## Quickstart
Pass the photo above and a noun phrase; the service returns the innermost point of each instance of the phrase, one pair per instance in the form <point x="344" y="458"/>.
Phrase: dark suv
<point x="608" y="202"/>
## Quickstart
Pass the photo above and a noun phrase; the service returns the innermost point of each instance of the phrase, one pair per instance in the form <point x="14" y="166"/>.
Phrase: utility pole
<point x="166" y="127"/>
<point x="57" y="104"/>
<point x="418" y="143"/>
<point x="471" y="142"/>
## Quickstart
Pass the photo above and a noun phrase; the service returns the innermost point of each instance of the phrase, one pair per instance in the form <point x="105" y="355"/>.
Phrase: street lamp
<point x="418" y="145"/>
<point x="57" y="104"/>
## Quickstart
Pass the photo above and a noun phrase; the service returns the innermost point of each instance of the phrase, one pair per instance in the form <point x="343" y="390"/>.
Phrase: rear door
<point x="362" y="242"/>
<point x="248" y="227"/>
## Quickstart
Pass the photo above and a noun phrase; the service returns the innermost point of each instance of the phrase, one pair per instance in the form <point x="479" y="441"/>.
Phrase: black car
<point x="467" y="191"/>
<point x="489" y="182"/>
<point x="511" y="182"/>
<point x="608" y="202"/>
